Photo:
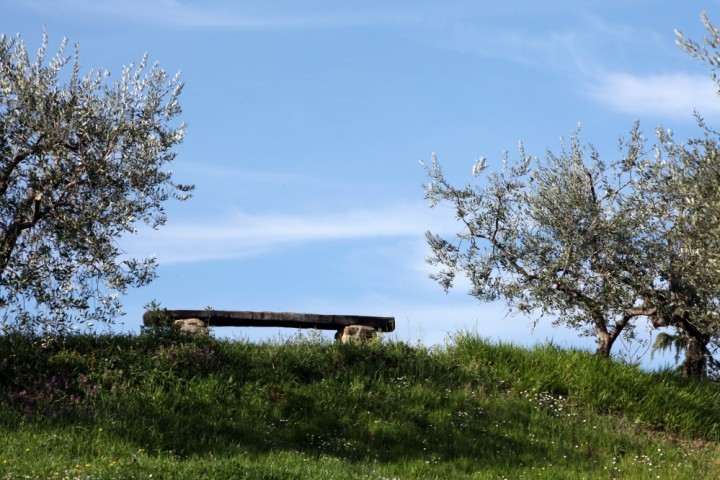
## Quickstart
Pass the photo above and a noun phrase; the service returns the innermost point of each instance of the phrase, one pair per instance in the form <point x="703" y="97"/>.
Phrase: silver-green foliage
<point x="82" y="162"/>
<point x="595" y="244"/>
<point x="681" y="190"/>
<point x="598" y="244"/>
<point x="557" y="235"/>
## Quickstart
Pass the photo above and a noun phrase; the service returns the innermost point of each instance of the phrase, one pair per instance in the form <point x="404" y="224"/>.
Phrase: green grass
<point x="172" y="407"/>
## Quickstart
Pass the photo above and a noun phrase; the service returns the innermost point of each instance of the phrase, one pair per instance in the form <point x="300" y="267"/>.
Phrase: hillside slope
<point x="172" y="407"/>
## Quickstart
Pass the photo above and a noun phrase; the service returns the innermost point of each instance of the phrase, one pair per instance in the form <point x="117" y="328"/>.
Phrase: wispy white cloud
<point x="157" y="12"/>
<point x="280" y="14"/>
<point x="223" y="173"/>
<point x="577" y="52"/>
<point x="504" y="42"/>
<point x="242" y="235"/>
<point x="298" y="14"/>
<point x="676" y="94"/>
<point x="557" y="37"/>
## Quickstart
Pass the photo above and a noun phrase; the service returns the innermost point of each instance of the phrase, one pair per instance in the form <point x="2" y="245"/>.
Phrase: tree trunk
<point x="604" y="345"/>
<point x="606" y="338"/>
<point x="697" y="354"/>
<point x="695" y="364"/>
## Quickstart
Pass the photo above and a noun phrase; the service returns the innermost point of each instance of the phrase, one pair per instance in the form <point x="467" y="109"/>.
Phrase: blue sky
<point x="307" y="119"/>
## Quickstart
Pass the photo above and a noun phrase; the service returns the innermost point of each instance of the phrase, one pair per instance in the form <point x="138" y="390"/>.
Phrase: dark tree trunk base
<point x="695" y="364"/>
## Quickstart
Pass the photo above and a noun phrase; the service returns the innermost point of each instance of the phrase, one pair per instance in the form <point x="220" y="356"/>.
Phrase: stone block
<point x="191" y="326"/>
<point x="355" y="333"/>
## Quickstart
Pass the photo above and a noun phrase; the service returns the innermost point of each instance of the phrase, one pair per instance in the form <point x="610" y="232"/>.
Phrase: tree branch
<point x="16" y="160"/>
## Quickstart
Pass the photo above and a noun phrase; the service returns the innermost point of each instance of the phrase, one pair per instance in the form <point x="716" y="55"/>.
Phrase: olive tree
<point x="596" y="244"/>
<point x="554" y="235"/>
<point x="683" y="188"/>
<point x="687" y="182"/>
<point x="82" y="163"/>
<point x="599" y="244"/>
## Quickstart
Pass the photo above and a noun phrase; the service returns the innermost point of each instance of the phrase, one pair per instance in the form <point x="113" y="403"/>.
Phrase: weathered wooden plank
<point x="224" y="318"/>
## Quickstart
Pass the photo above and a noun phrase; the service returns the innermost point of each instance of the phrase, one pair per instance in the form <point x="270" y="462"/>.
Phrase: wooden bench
<point x="348" y="327"/>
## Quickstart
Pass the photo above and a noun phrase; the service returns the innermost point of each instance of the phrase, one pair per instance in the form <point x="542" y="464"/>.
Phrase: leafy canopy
<point x="552" y="235"/>
<point x="82" y="162"/>
<point x="595" y="243"/>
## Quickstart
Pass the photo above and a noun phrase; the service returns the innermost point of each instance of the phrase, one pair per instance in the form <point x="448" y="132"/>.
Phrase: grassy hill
<point x="159" y="406"/>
